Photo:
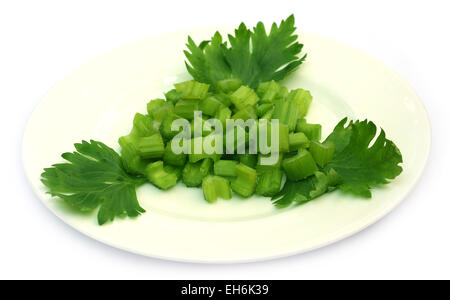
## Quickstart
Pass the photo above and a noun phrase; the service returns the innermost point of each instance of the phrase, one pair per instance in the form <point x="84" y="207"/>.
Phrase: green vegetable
<point x="299" y="166"/>
<point x="185" y="108"/>
<point x="244" y="97"/>
<point x="245" y="182"/>
<point x="322" y="152"/>
<point x="251" y="55"/>
<point x="193" y="173"/>
<point x="151" y="146"/>
<point x="173" y="159"/>
<point x="94" y="176"/>
<point x="192" y="90"/>
<point x="269" y="183"/>
<point x="298" y="140"/>
<point x="312" y="131"/>
<point x="210" y="105"/>
<point x="215" y="187"/>
<point x="228" y="85"/>
<point x="225" y="168"/>
<point x="159" y="176"/>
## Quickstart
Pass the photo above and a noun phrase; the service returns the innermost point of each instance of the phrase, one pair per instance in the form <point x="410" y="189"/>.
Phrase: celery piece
<point x="303" y="98"/>
<point x="269" y="183"/>
<point x="312" y="131"/>
<point x="223" y="114"/>
<point x="268" y="114"/>
<point x="243" y="97"/>
<point x="299" y="166"/>
<point x="322" y="152"/>
<point x="245" y="113"/>
<point x="151" y="146"/>
<point x="248" y="159"/>
<point x="143" y="125"/>
<point x="268" y="91"/>
<point x="193" y="173"/>
<point x="228" y="85"/>
<point x="173" y="170"/>
<point x="260" y="168"/>
<point x="185" y="108"/>
<point x="160" y="112"/>
<point x="224" y="99"/>
<point x="287" y="112"/>
<point x="215" y="187"/>
<point x="245" y="182"/>
<point x="166" y="126"/>
<point x="262" y="109"/>
<point x="195" y="157"/>
<point x="154" y="104"/>
<point x="298" y="140"/>
<point x="159" y="177"/>
<point x="132" y="162"/>
<point x="173" y="96"/>
<point x="173" y="159"/>
<point x="192" y="89"/>
<point x="225" y="168"/>
<point x="210" y="105"/>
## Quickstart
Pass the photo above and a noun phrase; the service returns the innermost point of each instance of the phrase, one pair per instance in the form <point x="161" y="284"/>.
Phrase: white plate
<point x="98" y="101"/>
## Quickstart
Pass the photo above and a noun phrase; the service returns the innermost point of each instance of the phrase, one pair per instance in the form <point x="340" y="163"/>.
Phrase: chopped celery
<point x="246" y="113"/>
<point x="286" y="110"/>
<point x="215" y="187"/>
<point x="195" y="157"/>
<point x="173" y="96"/>
<point x="245" y="182"/>
<point x="225" y="99"/>
<point x="166" y="126"/>
<point x="154" y="104"/>
<point x="223" y="114"/>
<point x="132" y="162"/>
<point x="298" y="140"/>
<point x="268" y="114"/>
<point x="173" y="159"/>
<point x="322" y="152"/>
<point x="262" y="109"/>
<point x="269" y="183"/>
<point x="193" y="173"/>
<point x="303" y="98"/>
<point x="283" y="138"/>
<point x="268" y="91"/>
<point x="243" y="97"/>
<point x="173" y="170"/>
<point x="299" y="166"/>
<point x="143" y="125"/>
<point x="151" y="146"/>
<point x="157" y="175"/>
<point x="210" y="105"/>
<point x="225" y="168"/>
<point x="312" y="131"/>
<point x="249" y="160"/>
<point x="185" y="108"/>
<point x="192" y="89"/>
<point x="228" y="85"/>
<point x="161" y="111"/>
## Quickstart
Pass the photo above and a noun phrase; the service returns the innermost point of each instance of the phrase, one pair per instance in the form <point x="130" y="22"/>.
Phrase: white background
<point x="40" y="41"/>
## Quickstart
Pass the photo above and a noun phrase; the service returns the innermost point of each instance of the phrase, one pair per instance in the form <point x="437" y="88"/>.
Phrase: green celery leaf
<point x="94" y="176"/>
<point x="361" y="167"/>
<point x="253" y="56"/>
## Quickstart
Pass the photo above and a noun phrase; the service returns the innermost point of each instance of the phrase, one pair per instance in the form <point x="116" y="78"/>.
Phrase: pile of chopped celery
<point x="147" y="149"/>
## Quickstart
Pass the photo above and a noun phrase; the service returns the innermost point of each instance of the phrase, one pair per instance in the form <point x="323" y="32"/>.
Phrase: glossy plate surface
<point x="99" y="99"/>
